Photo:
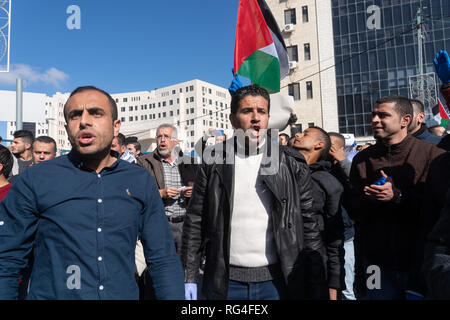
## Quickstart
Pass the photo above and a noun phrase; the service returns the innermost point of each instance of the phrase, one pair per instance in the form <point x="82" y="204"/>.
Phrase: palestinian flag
<point x="260" y="53"/>
<point x="441" y="115"/>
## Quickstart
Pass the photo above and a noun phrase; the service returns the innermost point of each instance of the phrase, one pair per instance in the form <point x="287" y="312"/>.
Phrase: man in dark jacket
<point x="388" y="213"/>
<point x="340" y="169"/>
<point x="417" y="127"/>
<point x="437" y="257"/>
<point x="253" y="215"/>
<point x="314" y="144"/>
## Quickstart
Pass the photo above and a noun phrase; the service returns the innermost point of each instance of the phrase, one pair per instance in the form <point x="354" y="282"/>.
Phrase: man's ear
<point x="319" y="145"/>
<point x="421" y="117"/>
<point x="116" y="125"/>
<point x="232" y="118"/>
<point x="406" y="120"/>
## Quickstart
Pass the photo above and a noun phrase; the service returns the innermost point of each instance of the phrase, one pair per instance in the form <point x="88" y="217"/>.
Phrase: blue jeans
<point x="267" y="290"/>
<point x="349" y="267"/>
<point x="392" y="285"/>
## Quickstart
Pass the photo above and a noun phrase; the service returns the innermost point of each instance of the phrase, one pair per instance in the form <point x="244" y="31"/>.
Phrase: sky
<point x="122" y="46"/>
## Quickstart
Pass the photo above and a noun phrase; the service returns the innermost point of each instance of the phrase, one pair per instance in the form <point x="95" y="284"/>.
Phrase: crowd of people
<point x="265" y="217"/>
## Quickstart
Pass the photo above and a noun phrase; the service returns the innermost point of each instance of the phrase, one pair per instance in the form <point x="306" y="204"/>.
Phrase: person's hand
<point x="333" y="294"/>
<point x="187" y="192"/>
<point x="190" y="291"/>
<point x="442" y="66"/>
<point x="293" y="119"/>
<point x="168" y="192"/>
<point x="381" y="193"/>
<point x="337" y="154"/>
<point x="235" y="85"/>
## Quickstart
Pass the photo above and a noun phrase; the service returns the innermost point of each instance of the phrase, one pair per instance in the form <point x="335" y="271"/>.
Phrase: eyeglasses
<point x="166" y="137"/>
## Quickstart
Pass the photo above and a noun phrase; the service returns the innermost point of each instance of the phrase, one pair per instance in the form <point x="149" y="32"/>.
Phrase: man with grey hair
<point x="174" y="175"/>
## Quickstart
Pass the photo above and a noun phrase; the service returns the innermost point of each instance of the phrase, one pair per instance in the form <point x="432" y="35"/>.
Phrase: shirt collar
<point x="78" y="163"/>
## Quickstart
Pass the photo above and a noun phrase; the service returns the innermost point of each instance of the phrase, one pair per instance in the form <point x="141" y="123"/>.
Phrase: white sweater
<point x="252" y="242"/>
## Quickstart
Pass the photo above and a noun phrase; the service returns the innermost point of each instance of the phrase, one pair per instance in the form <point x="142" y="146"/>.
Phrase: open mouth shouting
<point x="86" y="138"/>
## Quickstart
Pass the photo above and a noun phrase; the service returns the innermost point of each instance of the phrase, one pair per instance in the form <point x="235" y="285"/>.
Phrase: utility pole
<point x="419" y="39"/>
<point x="19" y="105"/>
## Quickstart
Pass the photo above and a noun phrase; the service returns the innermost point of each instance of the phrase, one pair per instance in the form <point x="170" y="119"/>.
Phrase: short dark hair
<point x="251" y="90"/>
<point x="6" y="159"/>
<point x="26" y="135"/>
<point x="112" y="102"/>
<point x="337" y="135"/>
<point x="284" y="135"/>
<point x="46" y="139"/>
<point x="129" y="140"/>
<point x="120" y="139"/>
<point x="402" y="105"/>
<point x="325" y="138"/>
<point x="136" y="145"/>
<point x="417" y="105"/>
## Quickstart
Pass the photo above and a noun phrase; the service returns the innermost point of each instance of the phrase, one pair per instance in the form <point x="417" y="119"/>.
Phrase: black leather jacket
<point x="295" y="227"/>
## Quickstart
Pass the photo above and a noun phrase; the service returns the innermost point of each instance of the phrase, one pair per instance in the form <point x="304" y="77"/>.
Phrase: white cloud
<point x="30" y="75"/>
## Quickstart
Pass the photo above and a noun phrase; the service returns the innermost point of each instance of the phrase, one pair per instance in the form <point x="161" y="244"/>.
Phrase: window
<point x="125" y="100"/>
<point x="164" y="114"/>
<point x="290" y="17"/>
<point x="173" y="91"/>
<point x="192" y="133"/>
<point x="309" y="90"/>
<point x="159" y="104"/>
<point x="135" y="108"/>
<point x="178" y="112"/>
<point x="192" y="110"/>
<point x="192" y="121"/>
<point x="187" y="100"/>
<point x="305" y="14"/>
<point x="310" y="124"/>
<point x="164" y="103"/>
<point x="130" y="118"/>
<point x="191" y="99"/>
<point x="159" y="115"/>
<point x="181" y="90"/>
<point x="191" y="88"/>
<point x="292" y="53"/>
<point x="171" y="113"/>
<point x="136" y="118"/>
<point x="122" y="109"/>
<point x="307" y="52"/>
<point x="209" y="91"/>
<point x="294" y="90"/>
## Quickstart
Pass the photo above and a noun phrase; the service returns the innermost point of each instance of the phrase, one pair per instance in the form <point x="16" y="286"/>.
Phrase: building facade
<point x="376" y="52"/>
<point x="307" y="30"/>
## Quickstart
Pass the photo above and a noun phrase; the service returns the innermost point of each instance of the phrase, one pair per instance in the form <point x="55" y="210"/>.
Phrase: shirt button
<point x="101" y="287"/>
<point x="100" y="200"/>
<point x="99" y="175"/>
<point x="99" y="229"/>
<point x="100" y="258"/>
<point x="2" y="223"/>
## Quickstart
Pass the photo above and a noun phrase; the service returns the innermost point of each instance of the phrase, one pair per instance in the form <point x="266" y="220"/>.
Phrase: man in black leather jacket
<point x="251" y="211"/>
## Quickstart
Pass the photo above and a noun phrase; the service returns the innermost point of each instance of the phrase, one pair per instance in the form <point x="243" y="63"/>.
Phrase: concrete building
<point x="308" y="34"/>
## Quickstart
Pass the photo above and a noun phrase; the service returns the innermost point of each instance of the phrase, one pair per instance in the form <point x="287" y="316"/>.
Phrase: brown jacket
<point x="152" y="162"/>
<point x="388" y="231"/>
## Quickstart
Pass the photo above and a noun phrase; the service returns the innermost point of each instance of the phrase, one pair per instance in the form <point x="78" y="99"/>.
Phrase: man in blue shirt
<point x="81" y="215"/>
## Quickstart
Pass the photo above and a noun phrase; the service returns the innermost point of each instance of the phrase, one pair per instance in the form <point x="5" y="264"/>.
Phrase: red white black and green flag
<point x="441" y="115"/>
<point x="260" y="53"/>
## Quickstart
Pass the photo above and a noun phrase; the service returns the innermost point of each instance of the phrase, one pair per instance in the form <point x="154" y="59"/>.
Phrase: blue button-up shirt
<point x="81" y="228"/>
